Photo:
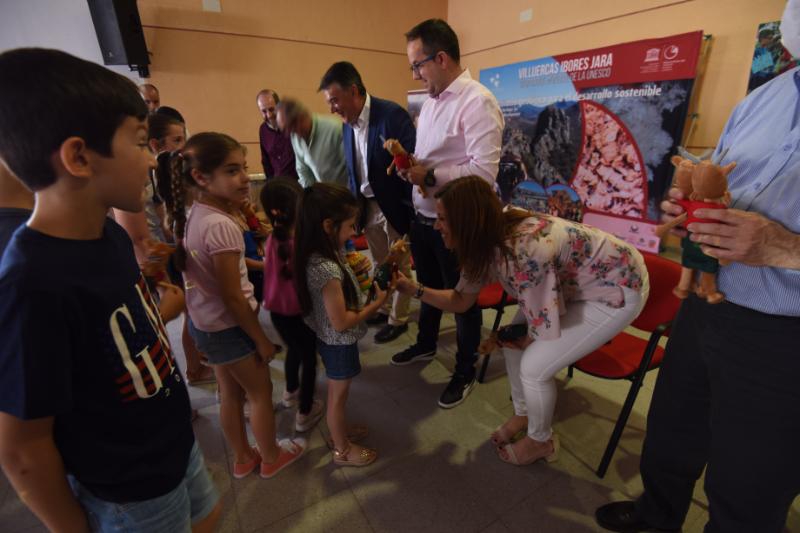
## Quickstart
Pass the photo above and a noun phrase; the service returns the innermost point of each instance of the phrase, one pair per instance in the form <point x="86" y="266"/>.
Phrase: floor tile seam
<point x="231" y="480"/>
<point x="306" y="508"/>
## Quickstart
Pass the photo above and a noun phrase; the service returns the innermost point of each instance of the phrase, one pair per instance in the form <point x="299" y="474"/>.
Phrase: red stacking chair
<point x="629" y="357"/>
<point x="493" y="297"/>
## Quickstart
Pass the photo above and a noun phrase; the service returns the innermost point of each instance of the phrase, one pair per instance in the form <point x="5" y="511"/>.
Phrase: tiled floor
<point x="437" y="470"/>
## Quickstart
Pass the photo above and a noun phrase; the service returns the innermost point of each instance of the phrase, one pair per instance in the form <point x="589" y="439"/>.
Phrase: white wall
<point x="61" y="24"/>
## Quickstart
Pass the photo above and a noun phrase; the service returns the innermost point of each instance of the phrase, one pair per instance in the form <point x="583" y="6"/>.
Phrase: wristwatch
<point x="430" y="178"/>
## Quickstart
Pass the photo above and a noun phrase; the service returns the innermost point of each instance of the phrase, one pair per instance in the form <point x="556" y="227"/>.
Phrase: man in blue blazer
<point x="386" y="199"/>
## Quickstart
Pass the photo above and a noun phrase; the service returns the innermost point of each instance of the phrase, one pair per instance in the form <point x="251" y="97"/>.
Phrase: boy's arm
<point x="172" y="301"/>
<point x="35" y="469"/>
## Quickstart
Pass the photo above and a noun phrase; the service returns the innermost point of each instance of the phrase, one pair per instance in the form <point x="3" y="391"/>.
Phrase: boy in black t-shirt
<point x="95" y="427"/>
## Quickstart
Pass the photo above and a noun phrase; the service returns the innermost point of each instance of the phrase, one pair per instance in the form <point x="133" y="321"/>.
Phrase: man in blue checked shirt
<point x="727" y="397"/>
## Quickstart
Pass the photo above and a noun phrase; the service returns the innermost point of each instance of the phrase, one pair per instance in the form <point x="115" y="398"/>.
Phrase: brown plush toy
<point x="401" y="160"/>
<point x="155" y="267"/>
<point x="704" y="184"/>
<point x="398" y="251"/>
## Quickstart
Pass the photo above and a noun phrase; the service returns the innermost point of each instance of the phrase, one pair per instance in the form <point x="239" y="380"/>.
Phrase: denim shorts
<point x="174" y="512"/>
<point x="224" y="346"/>
<point x="341" y="361"/>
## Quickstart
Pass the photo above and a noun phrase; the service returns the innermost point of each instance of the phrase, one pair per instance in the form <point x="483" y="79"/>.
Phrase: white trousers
<point x="380" y="236"/>
<point x="585" y="327"/>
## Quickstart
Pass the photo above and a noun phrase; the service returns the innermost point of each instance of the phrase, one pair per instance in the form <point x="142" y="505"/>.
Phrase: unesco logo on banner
<point x="652" y="55"/>
<point x="671" y="52"/>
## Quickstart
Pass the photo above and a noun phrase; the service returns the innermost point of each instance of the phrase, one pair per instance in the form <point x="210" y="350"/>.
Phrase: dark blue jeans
<point x="726" y="399"/>
<point x="436" y="268"/>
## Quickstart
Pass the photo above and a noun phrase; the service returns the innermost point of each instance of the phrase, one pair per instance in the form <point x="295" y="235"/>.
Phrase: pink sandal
<point x="290" y="451"/>
<point x="514" y="460"/>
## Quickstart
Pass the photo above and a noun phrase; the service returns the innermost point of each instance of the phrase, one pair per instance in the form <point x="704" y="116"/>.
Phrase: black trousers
<point x="436" y="268"/>
<point x="727" y="398"/>
<point x="301" y="350"/>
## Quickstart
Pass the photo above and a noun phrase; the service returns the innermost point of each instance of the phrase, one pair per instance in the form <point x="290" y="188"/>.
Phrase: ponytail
<point x="279" y="198"/>
<point x="180" y="173"/>
<point x="164" y="183"/>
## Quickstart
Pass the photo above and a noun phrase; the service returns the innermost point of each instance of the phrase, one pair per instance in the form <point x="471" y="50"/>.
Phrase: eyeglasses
<point x="416" y="64"/>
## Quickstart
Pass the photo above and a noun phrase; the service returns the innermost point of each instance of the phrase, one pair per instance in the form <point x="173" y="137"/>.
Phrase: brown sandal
<point x="365" y="457"/>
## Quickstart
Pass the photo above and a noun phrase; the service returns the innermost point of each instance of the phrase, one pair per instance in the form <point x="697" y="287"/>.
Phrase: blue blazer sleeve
<point x="392" y="193"/>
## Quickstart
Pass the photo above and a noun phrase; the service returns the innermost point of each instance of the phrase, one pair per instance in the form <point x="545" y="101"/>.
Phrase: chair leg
<point x="484" y="366"/>
<point x="497" y="317"/>
<point x="627" y="407"/>
<point x="570" y="369"/>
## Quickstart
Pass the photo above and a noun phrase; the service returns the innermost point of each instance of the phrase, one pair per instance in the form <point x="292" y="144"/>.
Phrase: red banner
<point x="667" y="58"/>
<point x="589" y="134"/>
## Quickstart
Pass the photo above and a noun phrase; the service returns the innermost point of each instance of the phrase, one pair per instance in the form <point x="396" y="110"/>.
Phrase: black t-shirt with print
<point x="10" y="219"/>
<point x="83" y="342"/>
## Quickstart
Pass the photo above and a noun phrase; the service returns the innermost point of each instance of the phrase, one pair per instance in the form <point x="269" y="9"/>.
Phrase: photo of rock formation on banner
<point x="544" y="144"/>
<point x="610" y="175"/>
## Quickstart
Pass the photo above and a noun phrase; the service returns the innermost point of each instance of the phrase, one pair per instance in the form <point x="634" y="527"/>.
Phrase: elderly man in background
<point x="277" y="154"/>
<point x="317" y="144"/>
<point x="726" y="400"/>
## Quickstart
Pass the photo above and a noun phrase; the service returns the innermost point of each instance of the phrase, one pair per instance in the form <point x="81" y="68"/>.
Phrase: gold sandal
<point x="365" y="457"/>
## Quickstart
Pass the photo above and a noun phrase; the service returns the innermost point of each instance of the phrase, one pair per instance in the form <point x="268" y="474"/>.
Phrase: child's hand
<point x="266" y="351"/>
<point x="363" y="265"/>
<point x="171" y="302"/>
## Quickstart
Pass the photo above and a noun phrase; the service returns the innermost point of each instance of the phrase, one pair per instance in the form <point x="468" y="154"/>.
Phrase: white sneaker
<point x="304" y="423"/>
<point x="290" y="399"/>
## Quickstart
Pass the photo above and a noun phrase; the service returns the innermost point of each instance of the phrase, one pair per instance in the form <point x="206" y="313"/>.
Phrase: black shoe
<point x="412" y="355"/>
<point x="457" y="390"/>
<point x="378" y="319"/>
<point x="389" y="333"/>
<point x="622" y="516"/>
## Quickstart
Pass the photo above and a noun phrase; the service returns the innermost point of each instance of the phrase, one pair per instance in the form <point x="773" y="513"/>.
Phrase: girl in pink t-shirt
<point x="279" y="197"/>
<point x="222" y="310"/>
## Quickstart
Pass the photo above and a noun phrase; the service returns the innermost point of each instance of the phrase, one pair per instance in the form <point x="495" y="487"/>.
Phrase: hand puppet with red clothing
<point x="704" y="184"/>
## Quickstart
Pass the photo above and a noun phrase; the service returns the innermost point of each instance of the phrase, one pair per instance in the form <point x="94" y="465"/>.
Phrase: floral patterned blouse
<point x="556" y="261"/>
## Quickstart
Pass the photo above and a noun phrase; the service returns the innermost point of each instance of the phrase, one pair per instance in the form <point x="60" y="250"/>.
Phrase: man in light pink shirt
<point x="459" y="133"/>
